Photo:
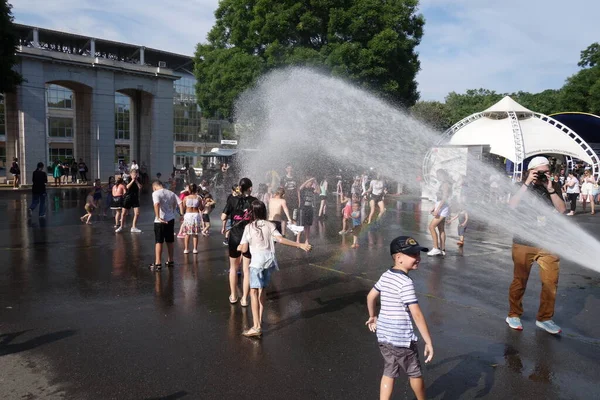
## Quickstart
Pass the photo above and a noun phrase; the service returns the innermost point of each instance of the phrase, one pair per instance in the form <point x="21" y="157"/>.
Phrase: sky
<point x="528" y="45"/>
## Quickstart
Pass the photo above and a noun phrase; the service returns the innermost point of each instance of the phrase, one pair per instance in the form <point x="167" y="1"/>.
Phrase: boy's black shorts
<point x="164" y="232"/>
<point x="398" y="359"/>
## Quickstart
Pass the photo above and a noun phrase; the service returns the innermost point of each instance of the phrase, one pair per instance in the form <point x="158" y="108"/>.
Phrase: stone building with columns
<point x="101" y="101"/>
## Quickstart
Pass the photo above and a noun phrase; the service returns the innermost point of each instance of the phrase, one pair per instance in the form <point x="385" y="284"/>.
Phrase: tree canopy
<point x="370" y="42"/>
<point x="9" y="78"/>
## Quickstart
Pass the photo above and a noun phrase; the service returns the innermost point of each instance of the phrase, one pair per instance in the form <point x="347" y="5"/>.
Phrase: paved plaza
<point x="82" y="317"/>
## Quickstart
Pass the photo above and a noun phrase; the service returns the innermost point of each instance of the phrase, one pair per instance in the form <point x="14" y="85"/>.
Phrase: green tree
<point x="471" y="102"/>
<point x="370" y="42"/>
<point x="590" y="57"/>
<point x="433" y="113"/>
<point x="546" y="102"/>
<point x="9" y="40"/>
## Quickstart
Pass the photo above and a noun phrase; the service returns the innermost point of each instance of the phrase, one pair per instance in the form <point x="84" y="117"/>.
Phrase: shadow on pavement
<point x="7" y="348"/>
<point x="337" y="304"/>
<point x="173" y="396"/>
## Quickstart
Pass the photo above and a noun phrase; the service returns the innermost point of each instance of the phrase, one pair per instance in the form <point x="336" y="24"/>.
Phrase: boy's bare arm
<point x="419" y="319"/>
<point x="372" y="307"/>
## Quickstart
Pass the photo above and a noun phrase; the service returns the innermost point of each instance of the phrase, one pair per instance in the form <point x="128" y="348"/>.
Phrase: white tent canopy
<point x="516" y="133"/>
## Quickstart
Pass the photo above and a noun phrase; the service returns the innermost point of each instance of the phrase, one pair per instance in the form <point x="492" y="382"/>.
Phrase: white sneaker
<point x="119" y="229"/>
<point x="434" y="252"/>
<point x="443" y="252"/>
<point x="186" y="252"/>
<point x="135" y="230"/>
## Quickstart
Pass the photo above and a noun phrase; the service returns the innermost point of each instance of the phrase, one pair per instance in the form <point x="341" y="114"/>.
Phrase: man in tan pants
<point x="539" y="184"/>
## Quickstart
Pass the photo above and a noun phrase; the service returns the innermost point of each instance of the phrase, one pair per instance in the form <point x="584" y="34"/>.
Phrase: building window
<point x="59" y="154"/>
<point x="122" y="153"/>
<point x="59" y="97"/>
<point x="3" y="157"/>
<point x="60" y="127"/>
<point x="2" y="116"/>
<point x="122" y="116"/>
<point x="186" y="112"/>
<point x="180" y="161"/>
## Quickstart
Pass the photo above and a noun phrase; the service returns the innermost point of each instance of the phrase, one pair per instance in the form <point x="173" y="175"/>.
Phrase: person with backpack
<point x="238" y="212"/>
<point x="16" y="171"/>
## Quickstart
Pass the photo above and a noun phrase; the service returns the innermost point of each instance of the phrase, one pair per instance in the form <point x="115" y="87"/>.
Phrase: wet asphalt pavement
<point x="81" y="317"/>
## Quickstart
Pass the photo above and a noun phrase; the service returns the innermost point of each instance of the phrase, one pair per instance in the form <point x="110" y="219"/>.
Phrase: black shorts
<point x="206" y="218"/>
<point x="116" y="203"/>
<point x="400" y="358"/>
<point x="234" y="241"/>
<point x="321" y="197"/>
<point x="306" y="216"/>
<point x="376" y="197"/>
<point x="277" y="226"/>
<point x="164" y="232"/>
<point x="131" y="202"/>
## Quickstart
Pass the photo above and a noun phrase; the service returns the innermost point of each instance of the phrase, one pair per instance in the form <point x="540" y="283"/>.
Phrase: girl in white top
<point x="377" y="193"/>
<point x="587" y="190"/>
<point x="259" y="237"/>
<point x="572" y="189"/>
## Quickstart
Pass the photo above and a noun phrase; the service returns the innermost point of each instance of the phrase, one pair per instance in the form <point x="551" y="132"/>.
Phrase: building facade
<point x="102" y="102"/>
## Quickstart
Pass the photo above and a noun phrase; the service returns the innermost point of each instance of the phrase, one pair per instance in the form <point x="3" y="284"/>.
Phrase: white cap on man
<point x="537" y="161"/>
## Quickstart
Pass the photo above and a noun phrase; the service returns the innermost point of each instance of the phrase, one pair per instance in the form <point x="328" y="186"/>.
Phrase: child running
<point x="278" y="209"/>
<point x="258" y="237"/>
<point x="356" y="223"/>
<point x="397" y="340"/>
<point x="463" y="220"/>
<point x="90" y="205"/>
<point x="346" y="213"/>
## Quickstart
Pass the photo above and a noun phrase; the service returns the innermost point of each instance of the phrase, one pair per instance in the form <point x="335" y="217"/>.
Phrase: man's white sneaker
<point x="119" y="229"/>
<point x="434" y="252"/>
<point x="549" y="326"/>
<point x="135" y="230"/>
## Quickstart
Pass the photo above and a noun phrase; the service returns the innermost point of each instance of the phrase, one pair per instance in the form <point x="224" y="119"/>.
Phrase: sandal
<point x="155" y="267"/>
<point x="252" y="332"/>
<point x="233" y="301"/>
<point x="244" y="302"/>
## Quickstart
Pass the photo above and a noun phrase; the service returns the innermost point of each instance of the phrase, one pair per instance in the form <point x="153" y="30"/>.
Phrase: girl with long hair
<point x="258" y="238"/>
<point x="237" y="211"/>
<point x="190" y="207"/>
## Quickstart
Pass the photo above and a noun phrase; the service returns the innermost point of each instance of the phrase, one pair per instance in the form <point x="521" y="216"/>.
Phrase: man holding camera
<point x="524" y="253"/>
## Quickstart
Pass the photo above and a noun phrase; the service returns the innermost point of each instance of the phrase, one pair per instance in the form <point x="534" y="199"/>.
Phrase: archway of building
<point x="133" y="126"/>
<point x="68" y="121"/>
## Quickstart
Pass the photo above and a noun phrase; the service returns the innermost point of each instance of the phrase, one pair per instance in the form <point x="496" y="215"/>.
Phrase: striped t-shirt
<point x="394" y="323"/>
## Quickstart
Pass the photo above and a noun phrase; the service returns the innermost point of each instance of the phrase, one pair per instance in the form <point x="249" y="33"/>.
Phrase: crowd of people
<point x="251" y="225"/>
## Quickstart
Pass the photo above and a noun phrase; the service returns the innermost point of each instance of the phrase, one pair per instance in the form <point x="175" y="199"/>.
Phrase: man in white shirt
<point x="165" y="206"/>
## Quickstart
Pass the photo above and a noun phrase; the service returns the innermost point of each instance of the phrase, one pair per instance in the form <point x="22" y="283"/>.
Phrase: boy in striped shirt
<point x="395" y="334"/>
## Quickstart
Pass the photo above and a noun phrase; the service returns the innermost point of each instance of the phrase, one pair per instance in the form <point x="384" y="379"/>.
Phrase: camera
<point x="542" y="178"/>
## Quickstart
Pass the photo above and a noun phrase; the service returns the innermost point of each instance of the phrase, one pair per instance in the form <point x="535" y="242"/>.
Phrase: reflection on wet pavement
<point x="82" y="299"/>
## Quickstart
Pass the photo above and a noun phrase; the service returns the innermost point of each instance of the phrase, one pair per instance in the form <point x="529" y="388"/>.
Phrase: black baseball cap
<point x="406" y="245"/>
